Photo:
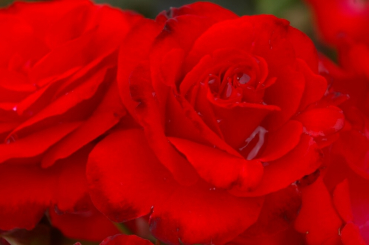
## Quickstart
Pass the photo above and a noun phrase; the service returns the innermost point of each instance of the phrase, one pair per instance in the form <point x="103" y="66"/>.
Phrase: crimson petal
<point x="127" y="181"/>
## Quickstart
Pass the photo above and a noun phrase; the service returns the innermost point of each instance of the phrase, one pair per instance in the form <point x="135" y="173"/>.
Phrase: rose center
<point x="240" y="83"/>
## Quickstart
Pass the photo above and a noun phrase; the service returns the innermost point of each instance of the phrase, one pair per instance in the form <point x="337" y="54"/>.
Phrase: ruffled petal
<point x="106" y="115"/>
<point x="209" y="163"/>
<point x="322" y="121"/>
<point x="350" y="235"/>
<point x="26" y="193"/>
<point x="90" y="225"/>
<point x="304" y="159"/>
<point x="318" y="218"/>
<point x="122" y="167"/>
<point x="36" y="143"/>
<point x="282" y="141"/>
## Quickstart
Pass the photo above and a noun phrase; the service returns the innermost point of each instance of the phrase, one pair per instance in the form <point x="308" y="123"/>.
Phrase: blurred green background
<point x="293" y="10"/>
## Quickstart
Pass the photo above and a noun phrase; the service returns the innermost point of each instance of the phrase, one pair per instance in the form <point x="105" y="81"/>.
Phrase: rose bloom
<point x="341" y="196"/>
<point x="345" y="181"/>
<point x="58" y="95"/>
<point x="337" y="20"/>
<point x="230" y="109"/>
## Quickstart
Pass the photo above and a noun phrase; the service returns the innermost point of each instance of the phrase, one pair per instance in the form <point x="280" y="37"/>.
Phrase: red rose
<point x="230" y="108"/>
<point x="57" y="96"/>
<point x="338" y="20"/>
<point x="336" y="208"/>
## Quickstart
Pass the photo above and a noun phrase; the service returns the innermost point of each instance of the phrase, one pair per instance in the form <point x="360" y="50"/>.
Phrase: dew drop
<point x="244" y="79"/>
<point x="229" y="90"/>
<point x="260" y="131"/>
<point x="15" y="108"/>
<point x="11" y="139"/>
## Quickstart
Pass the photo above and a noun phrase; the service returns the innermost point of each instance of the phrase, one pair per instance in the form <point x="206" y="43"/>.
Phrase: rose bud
<point x="58" y="95"/>
<point x="230" y="109"/>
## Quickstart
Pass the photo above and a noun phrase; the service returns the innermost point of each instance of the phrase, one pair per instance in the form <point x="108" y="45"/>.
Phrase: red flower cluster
<point x="217" y="129"/>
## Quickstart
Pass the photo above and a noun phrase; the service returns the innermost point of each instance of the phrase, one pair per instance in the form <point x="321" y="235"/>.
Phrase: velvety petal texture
<point x="196" y="127"/>
<point x="229" y="109"/>
<point x="178" y="214"/>
<point x="57" y="98"/>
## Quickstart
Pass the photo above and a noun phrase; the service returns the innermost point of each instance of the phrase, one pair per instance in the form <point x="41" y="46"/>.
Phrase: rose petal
<point x="71" y="191"/>
<point x="341" y="200"/>
<point x="117" y="178"/>
<point x="304" y="159"/>
<point x="69" y="101"/>
<point x="103" y="37"/>
<point x="282" y="141"/>
<point x="209" y="163"/>
<point x="26" y="193"/>
<point x="317" y="217"/>
<point x="353" y="146"/>
<point x="200" y="214"/>
<point x="90" y="225"/>
<point x="322" y="121"/>
<point x="150" y="116"/>
<point x="106" y="115"/>
<point x="315" y="85"/>
<point x="115" y="165"/>
<point x="36" y="143"/>
<point x="146" y="30"/>
<point x="275" y="223"/>
<point x="350" y="235"/>
<point x="286" y="93"/>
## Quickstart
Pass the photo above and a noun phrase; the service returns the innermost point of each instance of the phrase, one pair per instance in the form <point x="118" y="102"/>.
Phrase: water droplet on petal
<point x="11" y="139"/>
<point x="15" y="108"/>
<point x="244" y="79"/>
<point x="259" y="144"/>
<point x="229" y="90"/>
<point x="260" y="131"/>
